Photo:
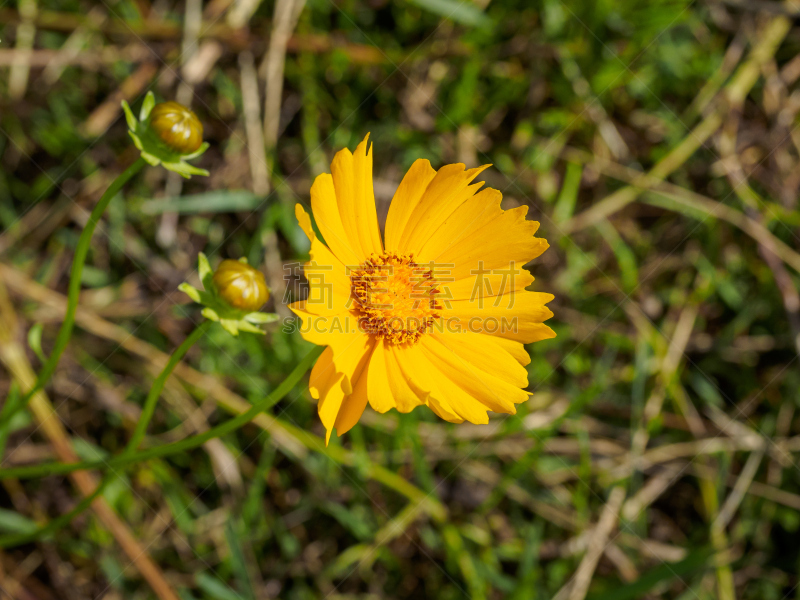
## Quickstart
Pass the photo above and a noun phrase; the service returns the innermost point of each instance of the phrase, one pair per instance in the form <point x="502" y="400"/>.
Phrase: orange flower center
<point x="396" y="297"/>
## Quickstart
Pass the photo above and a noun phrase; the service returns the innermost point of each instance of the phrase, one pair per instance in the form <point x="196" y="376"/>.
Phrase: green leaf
<point x="179" y="506"/>
<point x="13" y="522"/>
<point x="354" y="520"/>
<point x="626" y="259"/>
<point x="113" y="571"/>
<point x="694" y="562"/>
<point x="213" y="587"/>
<point x="203" y="267"/>
<point x="565" y="205"/>
<point x="87" y="450"/>
<point x="190" y="291"/>
<point x="151" y="159"/>
<point x="203" y="147"/>
<point x="215" y="201"/>
<point x="238" y="562"/>
<point x="131" y="120"/>
<point x="259" y="317"/>
<point x="230" y="326"/>
<point x="35" y="341"/>
<point x="243" y="325"/>
<point x="463" y="11"/>
<point x="147" y="106"/>
<point x="210" y="314"/>
<point x="183" y="169"/>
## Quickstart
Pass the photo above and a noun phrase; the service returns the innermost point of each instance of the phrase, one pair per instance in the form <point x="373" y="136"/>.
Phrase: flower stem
<point x="78" y="261"/>
<point x="125" y="459"/>
<point x="13" y="399"/>
<point x="155" y="391"/>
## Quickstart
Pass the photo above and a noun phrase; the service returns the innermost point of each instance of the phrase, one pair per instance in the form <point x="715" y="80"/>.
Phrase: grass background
<point x="656" y="142"/>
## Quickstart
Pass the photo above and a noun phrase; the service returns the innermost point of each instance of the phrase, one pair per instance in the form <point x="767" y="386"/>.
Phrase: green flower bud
<point x="232" y="295"/>
<point x="177" y="126"/>
<point x="241" y="285"/>
<point x="167" y="134"/>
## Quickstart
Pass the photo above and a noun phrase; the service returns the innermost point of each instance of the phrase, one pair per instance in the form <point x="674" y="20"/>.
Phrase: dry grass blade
<point x="579" y="584"/>
<point x="741" y="84"/>
<point x="252" y="125"/>
<point x="676" y="198"/>
<point x="287" y="12"/>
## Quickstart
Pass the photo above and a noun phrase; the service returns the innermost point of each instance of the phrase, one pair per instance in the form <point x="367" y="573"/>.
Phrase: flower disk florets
<point x="395" y="296"/>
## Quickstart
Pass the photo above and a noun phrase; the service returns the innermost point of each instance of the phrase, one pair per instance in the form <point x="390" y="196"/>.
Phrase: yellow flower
<point x="434" y="314"/>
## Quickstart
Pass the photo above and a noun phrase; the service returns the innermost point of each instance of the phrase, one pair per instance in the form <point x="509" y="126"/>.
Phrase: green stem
<point x="155" y="391"/>
<point x="125" y="459"/>
<point x="9" y="408"/>
<point x="75" y="286"/>
<point x="77" y="270"/>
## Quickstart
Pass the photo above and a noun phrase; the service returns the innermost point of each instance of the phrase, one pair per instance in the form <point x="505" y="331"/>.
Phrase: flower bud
<point x="167" y="134"/>
<point x="177" y="126"/>
<point x="240" y="285"/>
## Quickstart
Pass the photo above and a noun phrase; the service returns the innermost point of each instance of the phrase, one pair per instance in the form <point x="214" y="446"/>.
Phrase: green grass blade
<point x="694" y="562"/>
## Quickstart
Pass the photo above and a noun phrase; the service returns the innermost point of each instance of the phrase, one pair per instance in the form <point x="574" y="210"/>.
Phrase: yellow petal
<point x="328" y="328"/>
<point x="387" y="385"/>
<point x="514" y="348"/>
<point x="457" y="400"/>
<point x="354" y="404"/>
<point x="487" y="354"/>
<point x="518" y="316"/>
<point x="493" y="392"/>
<point x="417" y="372"/>
<point x="352" y="180"/>
<point x="329" y="221"/>
<point x="482" y="283"/>
<point x="379" y="392"/>
<point x="468" y="260"/>
<point x="304" y="221"/>
<point x="329" y="285"/>
<point x="448" y="190"/>
<point x="444" y="397"/>
<point x="467" y="219"/>
<point x="404" y="396"/>
<point x="349" y="362"/>
<point x="323" y="371"/>
<point x="480" y="250"/>
<point x="325" y="296"/>
<point x="405" y="199"/>
<point x="507" y="238"/>
<point x="303" y="310"/>
<point x="329" y="404"/>
<point x="443" y="410"/>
